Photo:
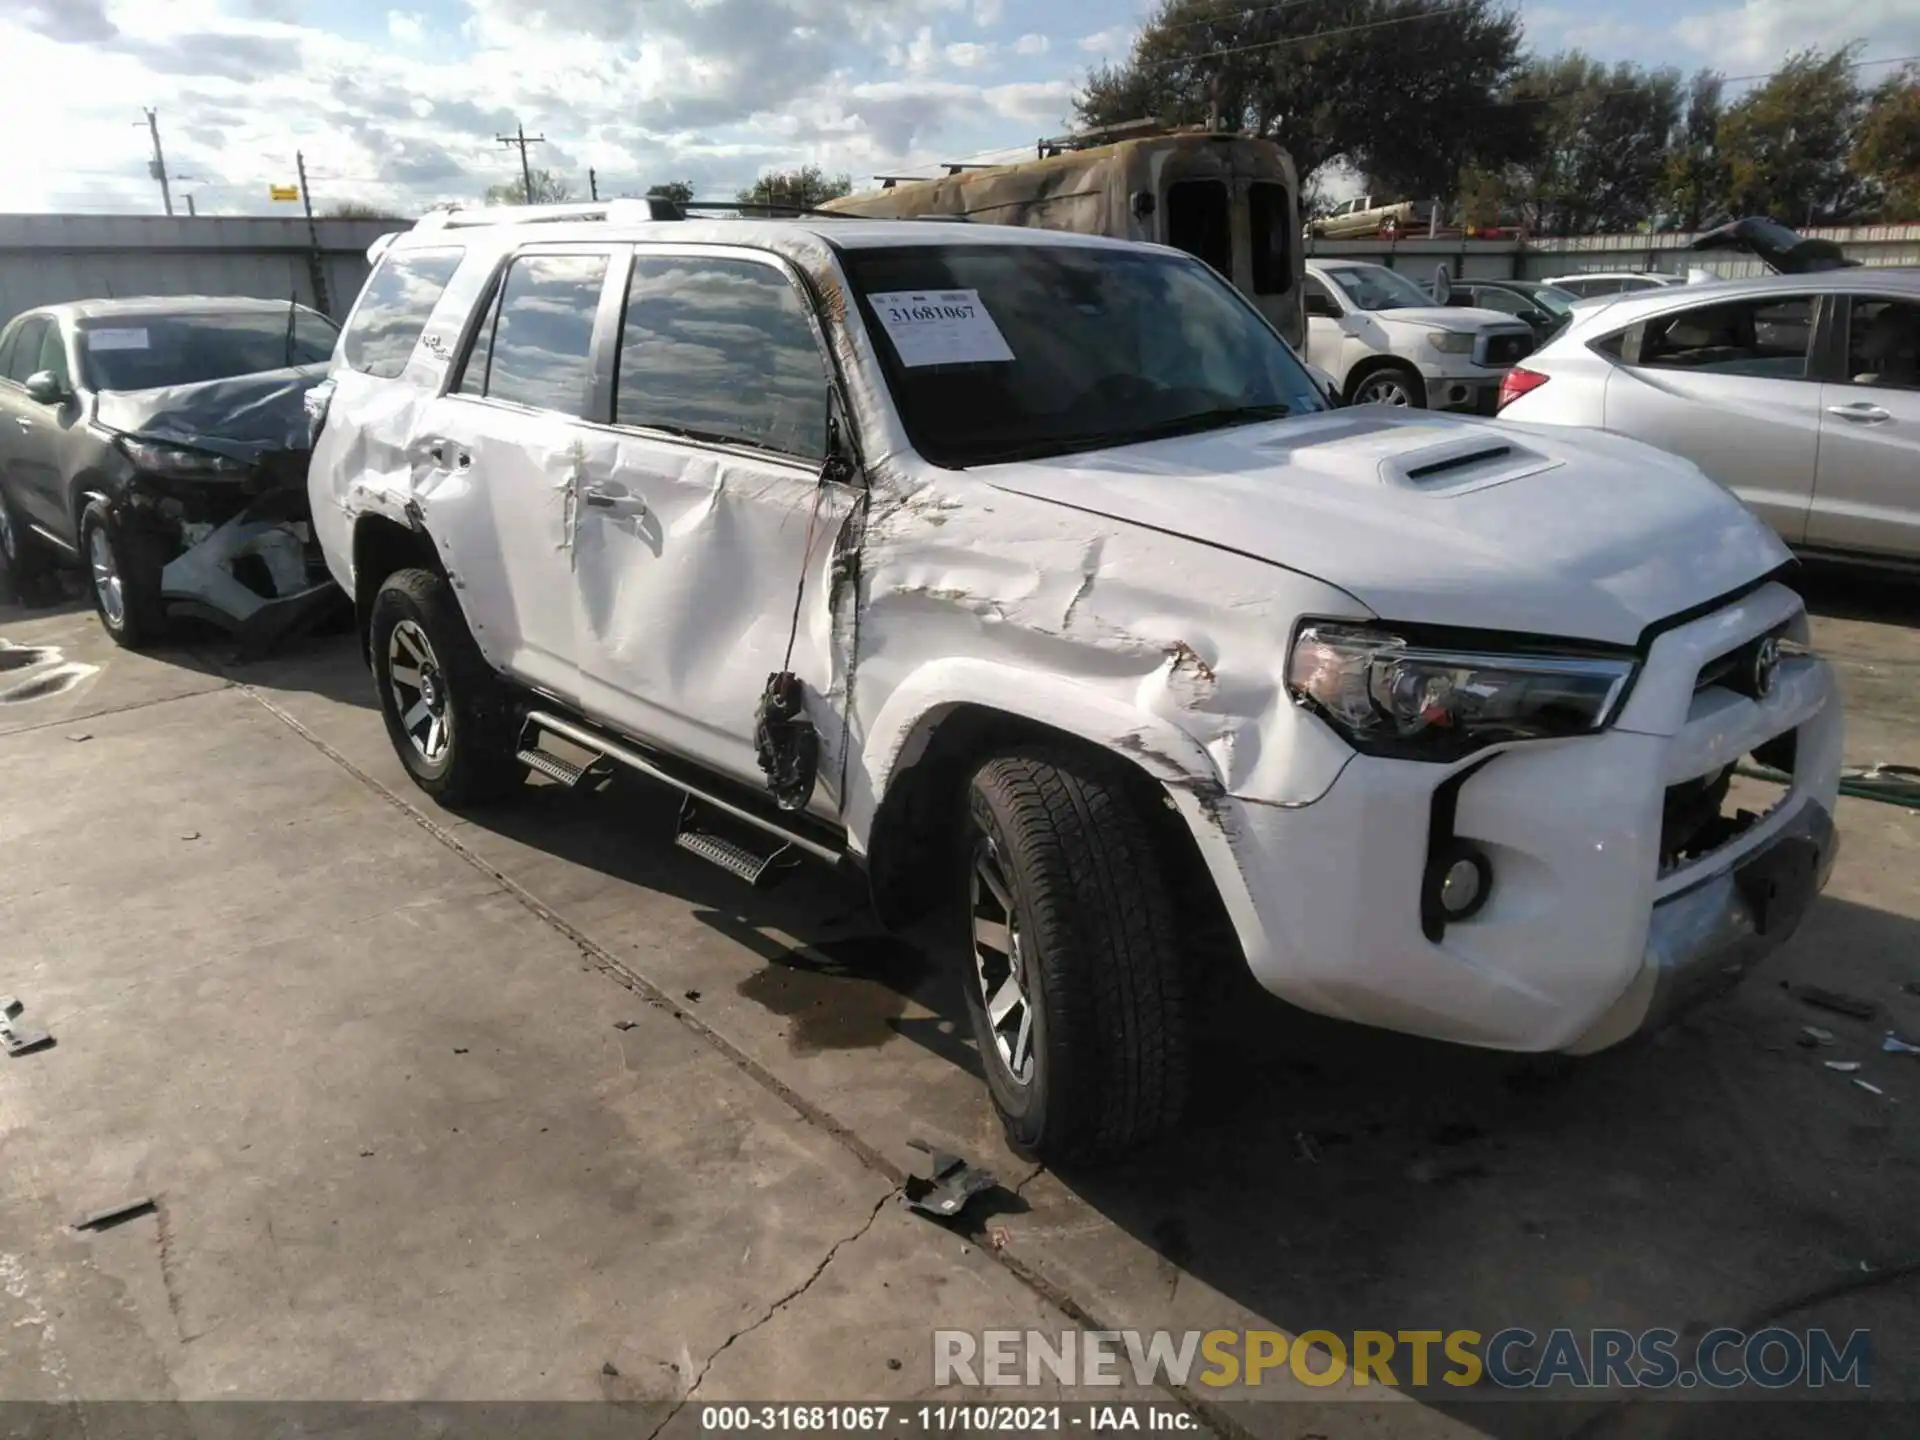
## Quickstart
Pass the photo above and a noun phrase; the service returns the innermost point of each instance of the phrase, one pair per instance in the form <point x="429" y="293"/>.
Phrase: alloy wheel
<point x="419" y="689"/>
<point x="106" y="578"/>
<point x="1000" y="962"/>
<point x="1384" y="389"/>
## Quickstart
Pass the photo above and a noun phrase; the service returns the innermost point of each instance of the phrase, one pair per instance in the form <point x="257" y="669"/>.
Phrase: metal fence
<point x="48" y="258"/>
<point x="1538" y="259"/>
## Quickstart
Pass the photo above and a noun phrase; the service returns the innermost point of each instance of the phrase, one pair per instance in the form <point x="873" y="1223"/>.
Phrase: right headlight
<point x="1451" y="342"/>
<point x="1388" y="696"/>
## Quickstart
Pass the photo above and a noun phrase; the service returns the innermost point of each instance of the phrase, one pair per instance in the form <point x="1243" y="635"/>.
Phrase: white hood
<point x="1450" y="521"/>
<point x="1465" y="318"/>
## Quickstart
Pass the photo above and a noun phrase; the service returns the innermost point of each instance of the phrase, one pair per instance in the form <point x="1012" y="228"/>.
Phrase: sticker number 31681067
<point x="939" y="327"/>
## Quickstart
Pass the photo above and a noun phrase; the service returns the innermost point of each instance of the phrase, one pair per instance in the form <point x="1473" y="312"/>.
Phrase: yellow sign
<point x="284" y="192"/>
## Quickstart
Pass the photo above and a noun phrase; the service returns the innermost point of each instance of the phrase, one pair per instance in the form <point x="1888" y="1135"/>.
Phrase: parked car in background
<point x="1590" y="283"/>
<point x="1540" y="306"/>
<point x="1365" y="215"/>
<point x="1385" y="342"/>
<point x="162" y="444"/>
<point x="1160" y="660"/>
<point x="1800" y="393"/>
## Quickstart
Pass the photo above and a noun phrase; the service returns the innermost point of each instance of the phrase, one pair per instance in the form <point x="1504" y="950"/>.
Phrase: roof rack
<point x="1108" y="134"/>
<point x="620" y="210"/>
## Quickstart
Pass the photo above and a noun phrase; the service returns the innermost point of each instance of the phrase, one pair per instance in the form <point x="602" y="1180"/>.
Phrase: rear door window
<point x="1883" y="343"/>
<point x="1270" y="213"/>
<point x="395" y="307"/>
<point x="538" y="350"/>
<point x="1765" y="338"/>
<point x="721" y="349"/>
<point x="1199" y="222"/>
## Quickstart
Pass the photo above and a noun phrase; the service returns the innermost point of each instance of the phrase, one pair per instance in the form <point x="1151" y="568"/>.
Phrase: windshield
<point x="1375" y="287"/>
<point x="1552" y="299"/>
<point x="1010" y="352"/>
<point x="145" y="351"/>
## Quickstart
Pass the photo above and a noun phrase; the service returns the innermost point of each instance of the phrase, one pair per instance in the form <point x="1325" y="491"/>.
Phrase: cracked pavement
<point x="366" y="1057"/>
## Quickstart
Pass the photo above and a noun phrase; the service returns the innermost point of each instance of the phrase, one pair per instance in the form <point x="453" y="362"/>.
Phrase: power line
<point x="1292" y="40"/>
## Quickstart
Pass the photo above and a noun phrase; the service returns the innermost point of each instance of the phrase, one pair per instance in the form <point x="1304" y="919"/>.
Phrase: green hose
<point x="1889" y="784"/>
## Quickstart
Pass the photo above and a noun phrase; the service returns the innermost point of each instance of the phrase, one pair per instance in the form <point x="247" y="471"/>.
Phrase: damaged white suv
<point x="1032" y="571"/>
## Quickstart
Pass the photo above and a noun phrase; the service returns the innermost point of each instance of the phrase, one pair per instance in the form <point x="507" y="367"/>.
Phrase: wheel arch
<point x="382" y="545"/>
<point x="1373" y="365"/>
<point x="931" y="737"/>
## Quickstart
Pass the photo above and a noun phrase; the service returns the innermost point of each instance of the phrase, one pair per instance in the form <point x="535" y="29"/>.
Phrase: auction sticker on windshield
<point x="940" y="327"/>
<point x="116" y="339"/>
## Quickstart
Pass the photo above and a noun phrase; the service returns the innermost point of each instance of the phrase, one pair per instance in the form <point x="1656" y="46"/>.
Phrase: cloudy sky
<point x="401" y="105"/>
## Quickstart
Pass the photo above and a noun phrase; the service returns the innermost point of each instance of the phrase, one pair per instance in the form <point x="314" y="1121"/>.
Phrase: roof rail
<point x="627" y="211"/>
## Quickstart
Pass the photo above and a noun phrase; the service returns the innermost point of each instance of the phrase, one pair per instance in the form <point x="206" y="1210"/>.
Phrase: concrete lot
<point x="365" y="1055"/>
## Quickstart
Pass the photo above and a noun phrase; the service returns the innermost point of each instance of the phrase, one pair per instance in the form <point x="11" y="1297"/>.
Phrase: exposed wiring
<point x="1889" y="784"/>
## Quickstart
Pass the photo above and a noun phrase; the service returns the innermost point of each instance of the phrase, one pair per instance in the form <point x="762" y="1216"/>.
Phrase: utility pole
<point x="191" y="212"/>
<point x="523" y="140"/>
<point x="157" y="167"/>
<point x="593" y="186"/>
<point x="316" y="262"/>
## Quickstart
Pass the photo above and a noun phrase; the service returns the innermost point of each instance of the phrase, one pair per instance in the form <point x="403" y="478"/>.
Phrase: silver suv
<point x="1031" y="571"/>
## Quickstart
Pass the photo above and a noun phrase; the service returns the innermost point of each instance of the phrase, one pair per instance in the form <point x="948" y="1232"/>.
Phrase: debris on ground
<point x="1837" y="1001"/>
<point x="78" y="739"/>
<point x="626" y="1024"/>
<point x="1845" y="1067"/>
<point x="1894" y="1045"/>
<point x="1871" y="1089"/>
<point x="999" y="1237"/>
<point x="1812" y="1035"/>
<point x="189" y="834"/>
<point x="17" y="1038"/>
<point x="117" y="1214"/>
<point x="953" y="1183"/>
<point x="459" y="1049"/>
<point x="693" y="994"/>
<point x="1304" y="1147"/>
<point x="608" y="1369"/>
<point x="892" y="1364"/>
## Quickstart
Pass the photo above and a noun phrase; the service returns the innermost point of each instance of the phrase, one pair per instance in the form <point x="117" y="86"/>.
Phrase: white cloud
<point x="988" y="12"/>
<point x="407" y="29"/>
<point x="1758" y="34"/>
<point x="1032" y="45"/>
<point x="967" y="56"/>
<point x="1115" y="40"/>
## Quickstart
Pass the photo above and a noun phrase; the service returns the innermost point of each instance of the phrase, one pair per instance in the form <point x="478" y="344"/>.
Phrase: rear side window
<point x="53" y="356"/>
<point x="1883" y="343"/>
<point x="721" y="350"/>
<point x="1271" y="217"/>
<point x="538" y="350"/>
<point x="395" y="308"/>
<point x="1761" y="338"/>
<point x="1198" y="222"/>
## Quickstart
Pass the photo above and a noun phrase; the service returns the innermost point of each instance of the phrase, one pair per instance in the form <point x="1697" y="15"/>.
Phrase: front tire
<point x="1393" y="385"/>
<point x="1075" y="983"/>
<point x="123" y="576"/>
<point x="449" y="716"/>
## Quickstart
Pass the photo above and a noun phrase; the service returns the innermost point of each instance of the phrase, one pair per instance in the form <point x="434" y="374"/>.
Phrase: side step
<point x="749" y="865"/>
<point x="729" y="855"/>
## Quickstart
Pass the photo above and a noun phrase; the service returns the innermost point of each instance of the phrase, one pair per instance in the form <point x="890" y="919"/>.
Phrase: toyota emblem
<point x="1766" y="666"/>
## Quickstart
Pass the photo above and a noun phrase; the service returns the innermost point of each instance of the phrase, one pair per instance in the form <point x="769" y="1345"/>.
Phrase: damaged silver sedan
<point x="162" y="445"/>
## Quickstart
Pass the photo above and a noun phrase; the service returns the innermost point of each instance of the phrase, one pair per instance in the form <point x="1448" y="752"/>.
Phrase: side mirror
<point x="44" y="388"/>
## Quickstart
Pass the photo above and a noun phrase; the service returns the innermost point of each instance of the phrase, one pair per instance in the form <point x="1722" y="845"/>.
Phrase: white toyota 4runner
<point x="1031" y="571"/>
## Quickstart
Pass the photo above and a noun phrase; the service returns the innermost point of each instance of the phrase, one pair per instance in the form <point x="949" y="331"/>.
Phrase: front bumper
<point x="1477" y="394"/>
<point x="1584" y="936"/>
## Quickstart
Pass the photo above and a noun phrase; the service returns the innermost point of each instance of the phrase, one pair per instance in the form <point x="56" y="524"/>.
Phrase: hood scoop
<point x="1457" y="467"/>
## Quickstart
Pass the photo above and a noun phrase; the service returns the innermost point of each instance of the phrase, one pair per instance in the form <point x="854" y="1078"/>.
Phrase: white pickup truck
<point x="1385" y="342"/>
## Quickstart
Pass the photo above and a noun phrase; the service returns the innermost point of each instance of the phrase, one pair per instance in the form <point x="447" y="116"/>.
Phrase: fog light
<point x="1461" y="888"/>
<point x="1459" y="880"/>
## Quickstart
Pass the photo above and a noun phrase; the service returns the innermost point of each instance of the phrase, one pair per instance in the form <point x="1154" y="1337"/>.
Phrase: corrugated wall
<point x="46" y="258"/>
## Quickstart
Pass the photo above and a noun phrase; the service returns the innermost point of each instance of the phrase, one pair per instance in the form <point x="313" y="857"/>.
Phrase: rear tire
<point x="449" y="715"/>
<point x="123" y="576"/>
<point x="1394" y="385"/>
<point x="22" y="556"/>
<point x="1086" y="1056"/>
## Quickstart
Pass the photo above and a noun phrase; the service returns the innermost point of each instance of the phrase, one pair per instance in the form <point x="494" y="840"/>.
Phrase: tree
<point x="548" y="189"/>
<point x="1886" y="146"/>
<point x="1404" y="90"/>
<point x="1696" y="172"/>
<point x="1598" y="149"/>
<point x="357" y="210"/>
<point x="800" y="189"/>
<point x="1786" y="142"/>
<point x="678" y="191"/>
